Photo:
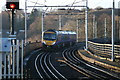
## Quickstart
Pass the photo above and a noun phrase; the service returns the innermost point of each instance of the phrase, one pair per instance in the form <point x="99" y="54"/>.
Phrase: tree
<point x="99" y="8"/>
<point x="34" y="14"/>
<point x="5" y="20"/>
<point x="34" y="25"/>
<point x="101" y="25"/>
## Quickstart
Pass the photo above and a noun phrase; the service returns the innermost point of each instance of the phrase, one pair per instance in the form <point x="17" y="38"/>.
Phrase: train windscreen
<point x="49" y="36"/>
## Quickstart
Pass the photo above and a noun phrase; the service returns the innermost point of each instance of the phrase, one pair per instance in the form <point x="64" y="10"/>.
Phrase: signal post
<point x="12" y="5"/>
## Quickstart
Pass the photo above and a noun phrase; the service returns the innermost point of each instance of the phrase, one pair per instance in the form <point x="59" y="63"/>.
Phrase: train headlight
<point x="44" y="42"/>
<point x="53" y="43"/>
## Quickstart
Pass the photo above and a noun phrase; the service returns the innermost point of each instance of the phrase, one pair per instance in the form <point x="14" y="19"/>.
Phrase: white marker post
<point x="113" y="30"/>
<point x="86" y="24"/>
<point x="25" y="22"/>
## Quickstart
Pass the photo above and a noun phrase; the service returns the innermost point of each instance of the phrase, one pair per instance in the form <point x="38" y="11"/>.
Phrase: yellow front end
<point x="49" y="42"/>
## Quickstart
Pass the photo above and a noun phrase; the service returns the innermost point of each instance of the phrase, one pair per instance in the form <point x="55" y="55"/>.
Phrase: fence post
<point x="22" y="60"/>
<point x="5" y="65"/>
<point x="9" y="65"/>
<point x="17" y="58"/>
<point x="0" y="66"/>
<point x="13" y="61"/>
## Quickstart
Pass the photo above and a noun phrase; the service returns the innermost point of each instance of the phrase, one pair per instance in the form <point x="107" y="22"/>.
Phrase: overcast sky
<point x="91" y="3"/>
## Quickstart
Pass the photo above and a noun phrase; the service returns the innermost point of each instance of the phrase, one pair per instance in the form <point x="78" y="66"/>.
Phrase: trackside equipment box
<point x="5" y="44"/>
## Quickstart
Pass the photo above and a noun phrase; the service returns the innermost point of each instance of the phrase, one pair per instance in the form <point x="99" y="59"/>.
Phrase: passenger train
<point x="58" y="38"/>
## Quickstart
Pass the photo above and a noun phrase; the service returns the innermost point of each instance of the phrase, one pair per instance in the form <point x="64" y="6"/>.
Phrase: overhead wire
<point x="47" y="7"/>
<point x="74" y="3"/>
<point x="34" y="5"/>
<point x="35" y="2"/>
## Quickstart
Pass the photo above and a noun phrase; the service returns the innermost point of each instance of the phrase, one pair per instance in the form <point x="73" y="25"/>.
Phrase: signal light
<point x="12" y="5"/>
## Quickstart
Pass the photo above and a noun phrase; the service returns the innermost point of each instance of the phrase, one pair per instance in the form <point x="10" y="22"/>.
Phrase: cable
<point x="35" y="2"/>
<point x="46" y="9"/>
<point x="75" y="3"/>
<point x="34" y="5"/>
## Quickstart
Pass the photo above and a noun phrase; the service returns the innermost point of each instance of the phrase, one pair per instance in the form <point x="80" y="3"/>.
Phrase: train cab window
<point x="49" y="36"/>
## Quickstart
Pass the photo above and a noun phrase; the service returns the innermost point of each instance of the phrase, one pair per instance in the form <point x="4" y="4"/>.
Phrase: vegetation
<point x="96" y="23"/>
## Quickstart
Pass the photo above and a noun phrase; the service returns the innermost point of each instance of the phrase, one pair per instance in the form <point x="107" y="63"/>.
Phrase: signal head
<point x="12" y="5"/>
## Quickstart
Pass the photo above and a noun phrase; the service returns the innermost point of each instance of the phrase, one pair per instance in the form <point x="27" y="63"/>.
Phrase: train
<point x="58" y="38"/>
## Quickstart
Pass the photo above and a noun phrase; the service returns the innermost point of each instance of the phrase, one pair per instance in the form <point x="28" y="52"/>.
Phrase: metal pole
<point x="113" y="25"/>
<point x="42" y="21"/>
<point x="13" y="48"/>
<point x="5" y="65"/>
<point x="60" y="22"/>
<point x="17" y="59"/>
<point x="77" y="29"/>
<point x="9" y="66"/>
<point x="93" y="26"/>
<point x="119" y="30"/>
<point x="96" y="29"/>
<point x="12" y="32"/>
<point x="25" y="21"/>
<point x="13" y="61"/>
<point x="22" y="60"/>
<point x="105" y="29"/>
<point x="86" y="26"/>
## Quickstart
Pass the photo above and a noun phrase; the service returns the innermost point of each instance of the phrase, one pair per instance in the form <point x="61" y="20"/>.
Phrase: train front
<point x="49" y="38"/>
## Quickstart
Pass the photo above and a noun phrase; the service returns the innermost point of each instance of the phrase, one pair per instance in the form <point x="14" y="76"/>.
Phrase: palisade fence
<point x="12" y="60"/>
<point x="104" y="50"/>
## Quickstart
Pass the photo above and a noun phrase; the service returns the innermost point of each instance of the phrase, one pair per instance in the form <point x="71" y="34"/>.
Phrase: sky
<point x="91" y="3"/>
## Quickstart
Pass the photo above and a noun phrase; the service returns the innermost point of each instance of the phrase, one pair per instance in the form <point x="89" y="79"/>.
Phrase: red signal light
<point x="12" y="6"/>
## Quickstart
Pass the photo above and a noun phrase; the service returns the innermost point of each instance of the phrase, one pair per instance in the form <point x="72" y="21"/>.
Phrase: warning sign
<point x="5" y="44"/>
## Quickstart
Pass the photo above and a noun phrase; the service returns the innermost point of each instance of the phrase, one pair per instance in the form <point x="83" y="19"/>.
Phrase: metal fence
<point x="12" y="62"/>
<point x="104" y="50"/>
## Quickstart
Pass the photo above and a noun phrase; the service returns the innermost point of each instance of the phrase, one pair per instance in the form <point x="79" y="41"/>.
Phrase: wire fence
<point x="104" y="50"/>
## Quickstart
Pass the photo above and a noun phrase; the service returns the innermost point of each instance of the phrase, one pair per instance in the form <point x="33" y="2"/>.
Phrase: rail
<point x="104" y="50"/>
<point x="30" y="46"/>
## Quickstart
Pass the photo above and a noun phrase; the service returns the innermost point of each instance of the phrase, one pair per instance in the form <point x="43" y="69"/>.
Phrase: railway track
<point x="84" y="67"/>
<point x="46" y="65"/>
<point x="44" y="69"/>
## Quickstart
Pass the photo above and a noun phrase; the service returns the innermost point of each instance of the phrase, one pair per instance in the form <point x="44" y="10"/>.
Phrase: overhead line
<point x="35" y="2"/>
<point x="64" y="14"/>
<point x="73" y="3"/>
<point x="34" y="5"/>
<point x="57" y="6"/>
